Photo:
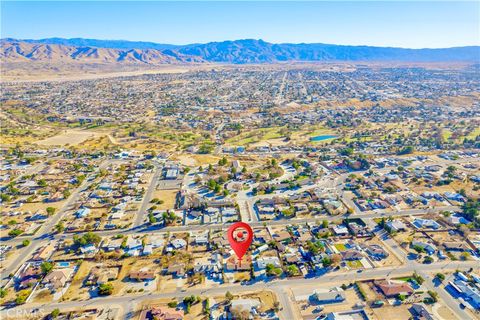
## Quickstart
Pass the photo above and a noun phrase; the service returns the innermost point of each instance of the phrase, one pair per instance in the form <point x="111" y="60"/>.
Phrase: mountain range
<point x="237" y="52"/>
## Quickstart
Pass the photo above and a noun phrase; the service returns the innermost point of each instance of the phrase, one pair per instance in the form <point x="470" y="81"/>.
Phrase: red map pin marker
<point x="240" y="236"/>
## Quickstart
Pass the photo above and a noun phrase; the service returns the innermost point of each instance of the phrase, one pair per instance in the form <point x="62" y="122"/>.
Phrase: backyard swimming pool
<point x="63" y="264"/>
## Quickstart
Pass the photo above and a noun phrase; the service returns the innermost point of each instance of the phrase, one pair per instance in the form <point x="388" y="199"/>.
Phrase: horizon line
<point x="243" y="39"/>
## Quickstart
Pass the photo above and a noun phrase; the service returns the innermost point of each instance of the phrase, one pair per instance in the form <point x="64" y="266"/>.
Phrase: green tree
<point x="22" y="296"/>
<point x="222" y="161"/>
<point x="50" y="210"/>
<point x="105" y="289"/>
<point x="324" y="224"/>
<point x="206" y="308"/>
<point x="55" y="313"/>
<point x="66" y="193"/>
<point x="59" y="227"/>
<point x="434" y="295"/>
<point x="151" y="218"/>
<point x="25" y="242"/>
<point x="15" y="232"/>
<point x="440" y="276"/>
<point x="418" y="278"/>
<point x="42" y="183"/>
<point x="87" y="238"/>
<point x="4" y="197"/>
<point x="346" y="151"/>
<point x="418" y="248"/>
<point x="293" y="270"/>
<point x="46" y="267"/>
<point x="327" y="262"/>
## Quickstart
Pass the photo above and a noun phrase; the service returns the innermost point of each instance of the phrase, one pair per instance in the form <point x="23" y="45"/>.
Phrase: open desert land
<point x="68" y="137"/>
<point x="37" y="72"/>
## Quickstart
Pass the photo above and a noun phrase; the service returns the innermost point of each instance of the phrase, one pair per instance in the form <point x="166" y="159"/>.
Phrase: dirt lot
<point x="267" y="299"/>
<point x="197" y="159"/>
<point x="308" y="310"/>
<point x="68" y="137"/>
<point x="35" y="206"/>
<point x="168" y="197"/>
<point x="369" y="291"/>
<point x="75" y="291"/>
<point x="42" y="296"/>
<point x="392" y="312"/>
<point x="442" y="237"/>
<point x="452" y="187"/>
<point x="402" y="237"/>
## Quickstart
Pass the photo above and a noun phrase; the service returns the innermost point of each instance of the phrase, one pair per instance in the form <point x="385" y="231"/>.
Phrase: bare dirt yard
<point x="68" y="137"/>
<point x="167" y="196"/>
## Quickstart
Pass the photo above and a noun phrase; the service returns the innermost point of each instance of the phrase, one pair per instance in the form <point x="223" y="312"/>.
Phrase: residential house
<point x="396" y="225"/>
<point x="82" y="212"/>
<point x="263" y="261"/>
<point x="328" y="297"/>
<point x="420" y="312"/>
<point x="282" y="235"/>
<point x="456" y="246"/>
<point x="233" y="263"/>
<point x="29" y="276"/>
<point x="57" y="279"/>
<point x="468" y="291"/>
<point x="392" y="289"/>
<point x="142" y="275"/>
<point x="161" y="313"/>
<point x="103" y="274"/>
<point x="340" y="230"/>
<point x="376" y="251"/>
<point x="88" y="249"/>
<point x="429" y="248"/>
<point x="351" y="255"/>
<point x="454" y="196"/>
<point x="426" y="224"/>
<point x="177" y="244"/>
<point x="113" y="244"/>
<point x="457" y="219"/>
<point x="176" y="270"/>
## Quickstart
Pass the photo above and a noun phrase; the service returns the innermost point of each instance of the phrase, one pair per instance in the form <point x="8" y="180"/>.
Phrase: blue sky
<point x="402" y="24"/>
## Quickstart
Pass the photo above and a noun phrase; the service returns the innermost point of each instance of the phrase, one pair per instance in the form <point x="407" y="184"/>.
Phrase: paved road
<point x="142" y="212"/>
<point x="333" y="277"/>
<point x="282" y="222"/>
<point x="388" y="241"/>
<point x="445" y="296"/>
<point x="31" y="170"/>
<point x="277" y="286"/>
<point x="42" y="236"/>
<point x="286" y="304"/>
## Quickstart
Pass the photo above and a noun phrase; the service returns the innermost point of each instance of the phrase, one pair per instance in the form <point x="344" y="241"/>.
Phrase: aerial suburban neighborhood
<point x="337" y="231"/>
<point x="236" y="180"/>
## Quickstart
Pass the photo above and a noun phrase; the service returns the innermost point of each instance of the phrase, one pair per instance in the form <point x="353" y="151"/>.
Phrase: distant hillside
<point x="238" y="52"/>
<point x="110" y="44"/>
<point x="19" y="51"/>
<point x="258" y="51"/>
